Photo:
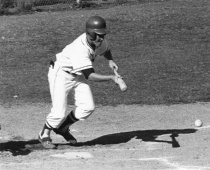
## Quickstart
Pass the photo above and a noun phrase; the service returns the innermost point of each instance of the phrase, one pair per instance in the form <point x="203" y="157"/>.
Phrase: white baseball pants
<point x="61" y="83"/>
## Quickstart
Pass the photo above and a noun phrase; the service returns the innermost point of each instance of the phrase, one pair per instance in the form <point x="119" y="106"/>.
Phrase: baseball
<point x="198" y="123"/>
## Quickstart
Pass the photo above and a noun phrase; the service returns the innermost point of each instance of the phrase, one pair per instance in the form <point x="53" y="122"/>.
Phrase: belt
<point x="52" y="63"/>
<point x="71" y="73"/>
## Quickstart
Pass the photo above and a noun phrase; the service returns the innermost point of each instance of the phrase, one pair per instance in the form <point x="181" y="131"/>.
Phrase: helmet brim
<point x="102" y="31"/>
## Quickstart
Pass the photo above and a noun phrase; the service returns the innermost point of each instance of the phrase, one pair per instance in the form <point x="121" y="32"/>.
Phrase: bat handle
<point x="116" y="73"/>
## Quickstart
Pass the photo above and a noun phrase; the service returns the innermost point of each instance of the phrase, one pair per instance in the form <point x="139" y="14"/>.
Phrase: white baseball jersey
<point x="74" y="58"/>
<point x="79" y="55"/>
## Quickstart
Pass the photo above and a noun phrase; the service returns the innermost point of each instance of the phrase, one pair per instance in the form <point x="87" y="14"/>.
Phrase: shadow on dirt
<point x="144" y="135"/>
<point x="26" y="147"/>
<point x="20" y="147"/>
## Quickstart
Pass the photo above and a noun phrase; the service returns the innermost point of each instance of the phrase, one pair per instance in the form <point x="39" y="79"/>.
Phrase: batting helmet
<point x="97" y="25"/>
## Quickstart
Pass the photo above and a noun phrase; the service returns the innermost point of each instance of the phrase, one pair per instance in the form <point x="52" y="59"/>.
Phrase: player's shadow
<point x="144" y="135"/>
<point x="18" y="147"/>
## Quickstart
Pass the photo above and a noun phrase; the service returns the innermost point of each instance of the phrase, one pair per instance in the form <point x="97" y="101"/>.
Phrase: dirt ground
<point x="139" y="137"/>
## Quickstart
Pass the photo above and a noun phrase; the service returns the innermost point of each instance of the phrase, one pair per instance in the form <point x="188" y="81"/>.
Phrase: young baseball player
<point x="73" y="65"/>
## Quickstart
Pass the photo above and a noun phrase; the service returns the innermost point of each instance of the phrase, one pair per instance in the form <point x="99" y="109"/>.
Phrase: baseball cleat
<point x="46" y="142"/>
<point x="66" y="135"/>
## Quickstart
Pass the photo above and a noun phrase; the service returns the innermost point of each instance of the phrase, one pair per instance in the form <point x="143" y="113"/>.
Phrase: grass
<point x="161" y="47"/>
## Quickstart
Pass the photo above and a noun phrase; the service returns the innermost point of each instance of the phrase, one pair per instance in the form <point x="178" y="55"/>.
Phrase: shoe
<point x="66" y="135"/>
<point x="46" y="142"/>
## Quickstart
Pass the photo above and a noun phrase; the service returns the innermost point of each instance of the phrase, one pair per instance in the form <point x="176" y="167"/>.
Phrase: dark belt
<point x="71" y="73"/>
<point x="52" y="63"/>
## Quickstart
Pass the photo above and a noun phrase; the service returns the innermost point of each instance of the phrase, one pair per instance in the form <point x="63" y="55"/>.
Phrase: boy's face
<point x="99" y="39"/>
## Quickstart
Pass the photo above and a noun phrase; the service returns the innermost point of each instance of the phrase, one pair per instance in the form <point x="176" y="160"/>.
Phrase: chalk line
<point x="203" y="127"/>
<point x="165" y="160"/>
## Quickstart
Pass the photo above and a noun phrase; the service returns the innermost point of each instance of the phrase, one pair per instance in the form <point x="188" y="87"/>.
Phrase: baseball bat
<point x="121" y="83"/>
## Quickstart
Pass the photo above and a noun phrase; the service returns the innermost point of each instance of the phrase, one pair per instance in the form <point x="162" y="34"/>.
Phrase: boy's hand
<point x="113" y="65"/>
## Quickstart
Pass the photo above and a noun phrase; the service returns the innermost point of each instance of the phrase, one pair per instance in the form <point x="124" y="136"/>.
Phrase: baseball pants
<point x="61" y="84"/>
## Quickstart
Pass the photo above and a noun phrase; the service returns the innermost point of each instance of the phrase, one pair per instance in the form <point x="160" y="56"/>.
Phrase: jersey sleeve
<point x="81" y="62"/>
<point x="76" y="56"/>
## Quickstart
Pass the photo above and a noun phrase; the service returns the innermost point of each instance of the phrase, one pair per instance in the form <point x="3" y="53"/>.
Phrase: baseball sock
<point x="70" y="119"/>
<point x="46" y="130"/>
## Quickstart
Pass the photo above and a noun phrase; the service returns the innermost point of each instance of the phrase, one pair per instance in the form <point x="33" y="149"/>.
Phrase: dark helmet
<point x="97" y="25"/>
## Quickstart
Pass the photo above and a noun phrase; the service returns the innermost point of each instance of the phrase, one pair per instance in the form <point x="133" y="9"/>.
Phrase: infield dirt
<point x="122" y="137"/>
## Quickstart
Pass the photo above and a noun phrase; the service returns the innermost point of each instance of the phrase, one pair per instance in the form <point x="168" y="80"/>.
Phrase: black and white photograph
<point x="104" y="84"/>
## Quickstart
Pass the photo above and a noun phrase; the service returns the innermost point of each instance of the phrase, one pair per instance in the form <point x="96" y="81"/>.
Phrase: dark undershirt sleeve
<point x="87" y="72"/>
<point x="108" y="55"/>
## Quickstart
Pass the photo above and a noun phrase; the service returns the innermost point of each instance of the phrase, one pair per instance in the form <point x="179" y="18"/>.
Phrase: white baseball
<point x="198" y="123"/>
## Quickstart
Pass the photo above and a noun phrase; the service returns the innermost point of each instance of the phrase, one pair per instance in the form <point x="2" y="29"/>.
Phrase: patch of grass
<point x="162" y="49"/>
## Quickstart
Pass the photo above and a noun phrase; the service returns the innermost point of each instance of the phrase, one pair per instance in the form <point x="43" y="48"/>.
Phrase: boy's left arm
<point x="112" y="64"/>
